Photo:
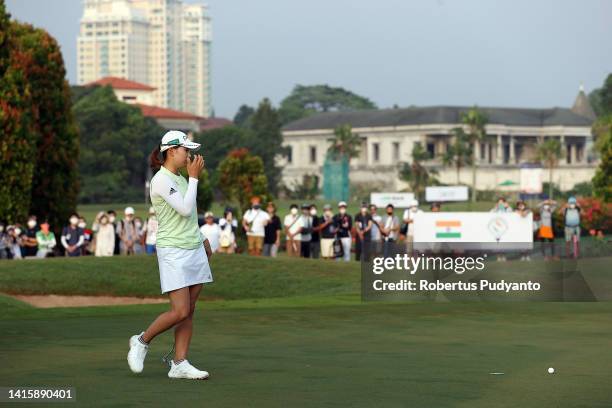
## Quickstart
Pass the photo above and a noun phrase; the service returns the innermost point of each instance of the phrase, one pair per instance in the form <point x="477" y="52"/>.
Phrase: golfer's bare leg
<point x="179" y="310"/>
<point x="183" y="330"/>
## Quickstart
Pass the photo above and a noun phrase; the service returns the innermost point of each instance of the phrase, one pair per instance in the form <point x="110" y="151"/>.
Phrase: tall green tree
<point x="459" y="152"/>
<point x="243" y="116"/>
<point x="549" y="152"/>
<point x="38" y="139"/>
<point x="217" y="143"/>
<point x="416" y="174"/>
<point x="55" y="183"/>
<point x="308" y="100"/>
<point x="242" y="176"/>
<point x="602" y="181"/>
<point x="116" y="140"/>
<point x="266" y="141"/>
<point x="475" y="121"/>
<point x="601" y="98"/>
<point x="17" y="137"/>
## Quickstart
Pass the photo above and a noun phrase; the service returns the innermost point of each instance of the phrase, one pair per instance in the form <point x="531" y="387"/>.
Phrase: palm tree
<point x="415" y="174"/>
<point x="475" y="121"/>
<point x="343" y="147"/>
<point x="345" y="143"/>
<point x="549" y="152"/>
<point x="459" y="153"/>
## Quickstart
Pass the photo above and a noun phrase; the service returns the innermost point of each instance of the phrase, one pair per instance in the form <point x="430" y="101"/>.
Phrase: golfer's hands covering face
<point x="195" y="166"/>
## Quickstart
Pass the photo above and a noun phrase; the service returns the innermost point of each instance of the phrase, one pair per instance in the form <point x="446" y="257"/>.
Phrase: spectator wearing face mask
<point x="502" y="206"/>
<point x="254" y="222"/>
<point x="46" y="241"/>
<point x="545" y="232"/>
<point x="272" y="232"/>
<point x="344" y="224"/>
<point x="104" y="235"/>
<point x="150" y="232"/>
<point x="571" y="219"/>
<point x="327" y="230"/>
<point x="29" y="242"/>
<point x="112" y="219"/>
<point x="4" y="243"/>
<point x="128" y="232"/>
<point x="306" y="232"/>
<point x="315" y="236"/>
<point x="363" y="228"/>
<point x="408" y="217"/>
<point x="389" y="229"/>
<point x="293" y="230"/>
<point x="73" y="237"/>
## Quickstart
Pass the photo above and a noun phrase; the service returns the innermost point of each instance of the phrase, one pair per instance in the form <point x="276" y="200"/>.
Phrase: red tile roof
<point x="214" y="123"/>
<point x="121" y="83"/>
<point x="165" y="113"/>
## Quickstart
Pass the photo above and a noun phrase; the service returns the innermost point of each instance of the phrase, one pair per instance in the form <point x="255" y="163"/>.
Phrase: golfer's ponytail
<point x="156" y="159"/>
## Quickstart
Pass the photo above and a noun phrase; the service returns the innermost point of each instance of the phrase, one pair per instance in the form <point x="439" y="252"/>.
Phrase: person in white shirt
<point x="293" y="229"/>
<point x="211" y="231"/>
<point x="390" y="227"/>
<point x="409" y="215"/>
<point x="254" y="222"/>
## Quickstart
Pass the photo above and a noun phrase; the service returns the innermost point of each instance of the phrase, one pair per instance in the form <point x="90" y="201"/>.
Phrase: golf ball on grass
<point x="551" y="370"/>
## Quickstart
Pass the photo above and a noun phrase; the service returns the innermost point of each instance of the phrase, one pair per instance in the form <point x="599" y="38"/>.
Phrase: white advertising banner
<point x="399" y="200"/>
<point x="486" y="229"/>
<point x="531" y="180"/>
<point x="446" y="193"/>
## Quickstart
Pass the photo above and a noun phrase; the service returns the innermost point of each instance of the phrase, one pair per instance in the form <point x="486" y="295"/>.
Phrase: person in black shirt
<point x="30" y="244"/>
<point x="272" y="232"/>
<point x="112" y="219"/>
<point x="73" y="237"/>
<point x="363" y="225"/>
<point x="343" y="222"/>
<point x="327" y="232"/>
<point x="315" y="240"/>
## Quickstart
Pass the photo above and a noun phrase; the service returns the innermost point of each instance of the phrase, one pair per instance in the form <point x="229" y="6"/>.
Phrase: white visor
<point x="175" y="138"/>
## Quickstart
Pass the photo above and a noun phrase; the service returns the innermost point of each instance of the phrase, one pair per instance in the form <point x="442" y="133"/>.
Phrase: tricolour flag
<point x="448" y="229"/>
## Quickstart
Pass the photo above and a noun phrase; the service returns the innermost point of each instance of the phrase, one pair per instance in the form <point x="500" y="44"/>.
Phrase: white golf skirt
<point x="179" y="268"/>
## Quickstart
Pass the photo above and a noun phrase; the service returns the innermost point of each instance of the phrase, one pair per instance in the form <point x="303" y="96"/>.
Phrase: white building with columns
<point x="389" y="135"/>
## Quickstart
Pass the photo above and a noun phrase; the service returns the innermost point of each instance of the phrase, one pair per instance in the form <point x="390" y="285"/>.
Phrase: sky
<point x="511" y="53"/>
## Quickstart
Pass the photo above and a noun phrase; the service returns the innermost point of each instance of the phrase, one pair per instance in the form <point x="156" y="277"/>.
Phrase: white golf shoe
<point x="137" y="354"/>
<point x="186" y="370"/>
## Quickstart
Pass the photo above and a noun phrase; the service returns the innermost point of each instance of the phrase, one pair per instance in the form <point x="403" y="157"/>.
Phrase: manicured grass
<point x="236" y="276"/>
<point x="292" y="332"/>
<point x="422" y="355"/>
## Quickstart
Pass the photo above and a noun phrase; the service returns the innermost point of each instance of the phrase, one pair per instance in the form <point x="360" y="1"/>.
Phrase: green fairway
<point x="310" y="345"/>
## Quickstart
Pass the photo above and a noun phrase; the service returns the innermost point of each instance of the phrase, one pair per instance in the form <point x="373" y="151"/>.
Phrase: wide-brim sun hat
<point x="174" y="138"/>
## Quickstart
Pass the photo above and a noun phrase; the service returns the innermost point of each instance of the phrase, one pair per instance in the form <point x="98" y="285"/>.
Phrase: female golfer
<point x="182" y="252"/>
